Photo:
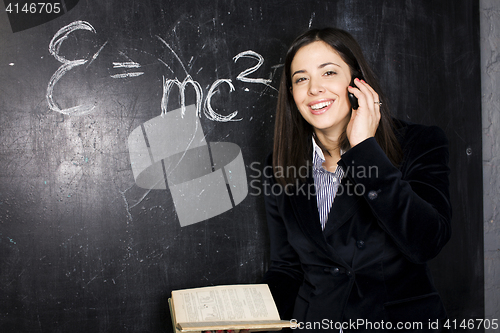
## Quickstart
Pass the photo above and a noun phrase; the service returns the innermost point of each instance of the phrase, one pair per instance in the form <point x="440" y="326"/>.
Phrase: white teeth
<point x="321" y="105"/>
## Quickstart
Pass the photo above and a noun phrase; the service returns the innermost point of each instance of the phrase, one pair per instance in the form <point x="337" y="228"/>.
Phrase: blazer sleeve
<point x="411" y="204"/>
<point x="284" y="275"/>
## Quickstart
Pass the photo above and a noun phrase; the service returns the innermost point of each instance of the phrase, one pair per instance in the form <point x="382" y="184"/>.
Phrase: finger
<point x="374" y="94"/>
<point x="376" y="101"/>
<point x="373" y="103"/>
<point x="356" y="92"/>
<point x="367" y="96"/>
<point x="370" y="102"/>
<point x="362" y="94"/>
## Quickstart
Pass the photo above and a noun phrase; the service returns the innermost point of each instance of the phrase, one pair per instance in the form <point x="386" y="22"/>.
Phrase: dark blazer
<point x="384" y="225"/>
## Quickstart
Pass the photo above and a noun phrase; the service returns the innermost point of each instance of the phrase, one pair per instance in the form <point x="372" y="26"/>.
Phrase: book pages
<point x="226" y="307"/>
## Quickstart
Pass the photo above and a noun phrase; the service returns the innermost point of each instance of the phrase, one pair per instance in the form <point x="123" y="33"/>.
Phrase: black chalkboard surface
<point x="101" y="105"/>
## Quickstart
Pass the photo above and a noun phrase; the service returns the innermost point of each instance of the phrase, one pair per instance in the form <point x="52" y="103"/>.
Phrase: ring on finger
<point x="379" y="103"/>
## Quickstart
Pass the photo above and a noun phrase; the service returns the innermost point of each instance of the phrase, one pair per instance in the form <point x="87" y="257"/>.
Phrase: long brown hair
<point x="293" y="135"/>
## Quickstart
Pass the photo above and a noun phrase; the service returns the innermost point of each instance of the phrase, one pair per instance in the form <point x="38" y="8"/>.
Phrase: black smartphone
<point x="352" y="99"/>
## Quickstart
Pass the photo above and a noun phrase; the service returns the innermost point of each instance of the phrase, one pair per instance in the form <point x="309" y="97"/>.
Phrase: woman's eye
<point x="300" y="79"/>
<point x="329" y="73"/>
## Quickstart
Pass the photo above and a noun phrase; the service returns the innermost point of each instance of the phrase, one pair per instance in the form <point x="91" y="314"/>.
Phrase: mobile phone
<point x="352" y="99"/>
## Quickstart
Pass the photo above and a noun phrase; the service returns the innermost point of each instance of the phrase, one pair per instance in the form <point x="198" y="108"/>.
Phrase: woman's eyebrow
<point x="327" y="64"/>
<point x="299" y="72"/>
<point x="320" y="66"/>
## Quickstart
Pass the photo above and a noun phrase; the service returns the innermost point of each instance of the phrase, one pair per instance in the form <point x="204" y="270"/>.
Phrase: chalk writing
<point x="67" y="65"/>
<point x="124" y="75"/>
<point x="167" y="86"/>
<point x="127" y="64"/>
<point x="208" y="110"/>
<point x="243" y="75"/>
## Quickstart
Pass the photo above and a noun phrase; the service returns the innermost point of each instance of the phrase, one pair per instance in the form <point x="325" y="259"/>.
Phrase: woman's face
<point x="319" y="87"/>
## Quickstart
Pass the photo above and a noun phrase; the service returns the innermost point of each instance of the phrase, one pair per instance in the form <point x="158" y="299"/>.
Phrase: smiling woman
<point x="318" y="69"/>
<point x="352" y="256"/>
<point x="319" y="87"/>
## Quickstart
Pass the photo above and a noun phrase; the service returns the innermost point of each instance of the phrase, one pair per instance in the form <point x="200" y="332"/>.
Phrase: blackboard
<point x="85" y="248"/>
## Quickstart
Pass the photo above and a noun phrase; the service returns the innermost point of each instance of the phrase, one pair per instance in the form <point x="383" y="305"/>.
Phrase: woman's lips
<point x="320" y="107"/>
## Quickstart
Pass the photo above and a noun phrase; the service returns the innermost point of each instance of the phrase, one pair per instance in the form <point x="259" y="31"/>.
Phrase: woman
<point x="350" y="238"/>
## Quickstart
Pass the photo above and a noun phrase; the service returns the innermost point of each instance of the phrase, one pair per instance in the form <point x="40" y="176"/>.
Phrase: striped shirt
<point x="325" y="182"/>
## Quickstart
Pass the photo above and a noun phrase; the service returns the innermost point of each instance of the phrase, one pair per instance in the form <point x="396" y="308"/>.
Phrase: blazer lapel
<point x="345" y="204"/>
<point x="305" y="208"/>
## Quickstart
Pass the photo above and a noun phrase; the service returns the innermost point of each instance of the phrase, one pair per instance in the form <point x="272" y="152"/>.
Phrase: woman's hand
<point x="364" y="121"/>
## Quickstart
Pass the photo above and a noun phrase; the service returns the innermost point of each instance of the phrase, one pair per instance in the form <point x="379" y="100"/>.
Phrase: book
<point x="232" y="307"/>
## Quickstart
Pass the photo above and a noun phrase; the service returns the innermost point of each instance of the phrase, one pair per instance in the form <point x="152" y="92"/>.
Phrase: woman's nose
<point x="315" y="87"/>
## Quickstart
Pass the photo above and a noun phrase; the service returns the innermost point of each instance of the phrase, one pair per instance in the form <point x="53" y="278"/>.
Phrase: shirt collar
<point x="318" y="155"/>
<point x="317" y="151"/>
